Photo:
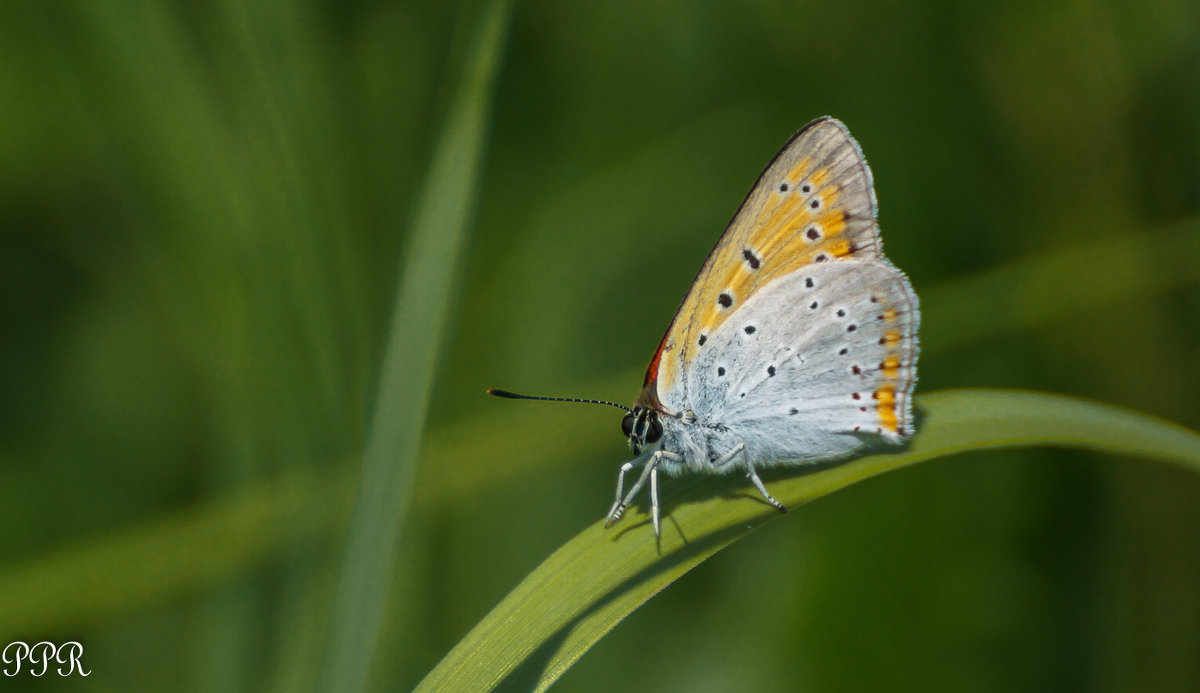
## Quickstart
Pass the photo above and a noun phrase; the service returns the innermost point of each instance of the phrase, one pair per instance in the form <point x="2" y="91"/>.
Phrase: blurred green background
<point x="202" y="212"/>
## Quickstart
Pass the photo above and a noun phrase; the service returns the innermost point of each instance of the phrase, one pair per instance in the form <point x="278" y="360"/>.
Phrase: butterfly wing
<point x="814" y="203"/>
<point x="812" y="362"/>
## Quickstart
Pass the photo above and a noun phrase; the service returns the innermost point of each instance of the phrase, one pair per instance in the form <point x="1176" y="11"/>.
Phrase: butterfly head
<point x="641" y="424"/>
<point x="642" y="427"/>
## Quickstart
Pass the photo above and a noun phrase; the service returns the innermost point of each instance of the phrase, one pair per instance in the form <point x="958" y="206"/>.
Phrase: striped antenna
<point x="512" y="395"/>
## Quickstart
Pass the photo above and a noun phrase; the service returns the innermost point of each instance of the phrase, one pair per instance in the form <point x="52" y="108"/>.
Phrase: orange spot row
<point x="886" y="407"/>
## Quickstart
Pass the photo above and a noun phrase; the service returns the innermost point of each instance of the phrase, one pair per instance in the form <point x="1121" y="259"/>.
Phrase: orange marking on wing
<point x="739" y="280"/>
<point x="833" y="223"/>
<point x="891" y="367"/>
<point x="774" y="217"/>
<point x="783" y="244"/>
<point x="890" y="315"/>
<point x="886" y="407"/>
<point x="796" y="174"/>
<point x="783" y="235"/>
<point x="890" y="338"/>
<point x="788" y="214"/>
<point x="793" y="262"/>
<point x="839" y="248"/>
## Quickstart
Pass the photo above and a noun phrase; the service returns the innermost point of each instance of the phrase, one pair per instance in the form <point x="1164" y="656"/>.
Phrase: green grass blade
<point x="418" y="322"/>
<point x="586" y="587"/>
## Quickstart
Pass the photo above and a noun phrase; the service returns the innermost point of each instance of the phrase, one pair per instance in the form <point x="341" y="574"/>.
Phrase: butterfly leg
<point x="758" y="484"/>
<point x="618" y="506"/>
<point x="654" y="501"/>
<point x="650" y="472"/>
<point x="740" y="449"/>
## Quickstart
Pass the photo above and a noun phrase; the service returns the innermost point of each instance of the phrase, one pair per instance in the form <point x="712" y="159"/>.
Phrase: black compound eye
<point x="655" y="431"/>
<point x="627" y="424"/>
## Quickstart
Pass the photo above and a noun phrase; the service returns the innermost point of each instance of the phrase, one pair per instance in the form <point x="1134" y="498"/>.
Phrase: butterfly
<point x="797" y="341"/>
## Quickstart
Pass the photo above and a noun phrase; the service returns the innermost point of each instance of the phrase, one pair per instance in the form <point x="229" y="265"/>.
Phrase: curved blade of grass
<point x="586" y="587"/>
<point x="418" y="322"/>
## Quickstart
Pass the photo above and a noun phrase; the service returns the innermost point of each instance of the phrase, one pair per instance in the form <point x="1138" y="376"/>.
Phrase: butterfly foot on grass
<point x="797" y="341"/>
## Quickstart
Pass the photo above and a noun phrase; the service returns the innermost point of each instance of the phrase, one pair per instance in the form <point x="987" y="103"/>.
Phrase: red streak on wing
<point x="652" y="369"/>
